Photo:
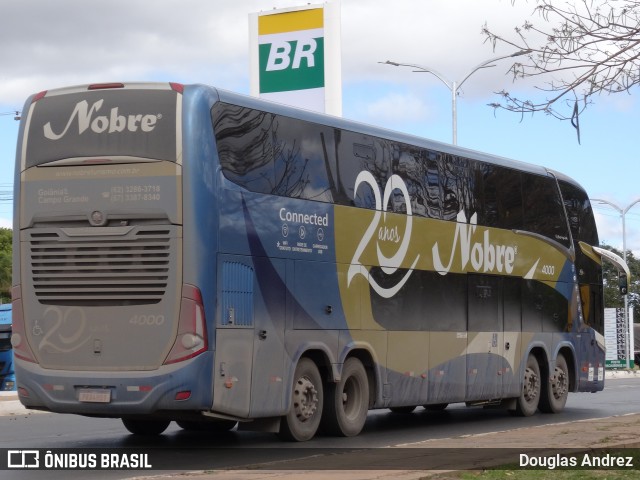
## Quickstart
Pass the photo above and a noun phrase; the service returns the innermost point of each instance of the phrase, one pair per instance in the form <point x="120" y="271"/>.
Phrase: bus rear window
<point x="138" y="123"/>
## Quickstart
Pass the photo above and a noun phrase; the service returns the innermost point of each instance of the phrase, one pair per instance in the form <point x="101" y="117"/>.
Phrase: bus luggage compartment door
<point x="249" y="337"/>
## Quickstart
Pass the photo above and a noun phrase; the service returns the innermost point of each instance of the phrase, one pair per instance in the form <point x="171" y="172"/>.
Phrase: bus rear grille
<point x="127" y="270"/>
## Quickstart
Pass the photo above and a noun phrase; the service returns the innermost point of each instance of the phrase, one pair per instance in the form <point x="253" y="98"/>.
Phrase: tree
<point x="6" y="257"/>
<point x="612" y="297"/>
<point x="588" y="47"/>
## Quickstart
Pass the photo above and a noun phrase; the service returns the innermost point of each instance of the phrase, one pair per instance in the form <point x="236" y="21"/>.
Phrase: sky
<point x="45" y="45"/>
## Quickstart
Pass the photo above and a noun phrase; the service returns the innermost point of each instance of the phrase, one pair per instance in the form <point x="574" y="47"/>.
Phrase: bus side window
<point x="357" y="153"/>
<point x="303" y="159"/>
<point x="432" y="182"/>
<point x="508" y="186"/>
<point x="502" y="197"/>
<point x="458" y="186"/>
<point x="489" y="173"/>
<point x="418" y="169"/>
<point x="544" y="213"/>
<point x="243" y="138"/>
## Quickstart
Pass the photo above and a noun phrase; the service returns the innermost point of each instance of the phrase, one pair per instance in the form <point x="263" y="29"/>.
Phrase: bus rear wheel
<point x="556" y="389"/>
<point x="303" y="419"/>
<point x="145" y="427"/>
<point x="527" y="402"/>
<point x="347" y="401"/>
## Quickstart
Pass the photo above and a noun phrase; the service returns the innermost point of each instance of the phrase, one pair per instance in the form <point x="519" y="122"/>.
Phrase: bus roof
<point x="337" y="122"/>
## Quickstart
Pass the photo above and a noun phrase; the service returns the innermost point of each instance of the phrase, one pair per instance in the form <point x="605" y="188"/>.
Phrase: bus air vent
<point x="237" y="294"/>
<point x="100" y="270"/>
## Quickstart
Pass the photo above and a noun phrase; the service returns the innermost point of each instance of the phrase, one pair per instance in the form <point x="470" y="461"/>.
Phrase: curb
<point x="622" y="373"/>
<point x="8" y="396"/>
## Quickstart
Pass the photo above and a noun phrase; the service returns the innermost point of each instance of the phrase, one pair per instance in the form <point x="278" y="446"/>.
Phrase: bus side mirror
<point x="622" y="283"/>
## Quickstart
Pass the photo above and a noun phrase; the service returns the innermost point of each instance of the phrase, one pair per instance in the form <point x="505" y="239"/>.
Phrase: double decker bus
<point x="182" y="253"/>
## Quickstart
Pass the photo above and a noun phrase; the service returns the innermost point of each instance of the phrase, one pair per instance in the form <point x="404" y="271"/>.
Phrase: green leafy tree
<point x="612" y="297"/>
<point x="6" y="257"/>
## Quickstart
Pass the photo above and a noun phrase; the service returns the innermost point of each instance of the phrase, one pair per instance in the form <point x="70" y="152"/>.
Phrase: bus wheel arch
<point x="348" y="400"/>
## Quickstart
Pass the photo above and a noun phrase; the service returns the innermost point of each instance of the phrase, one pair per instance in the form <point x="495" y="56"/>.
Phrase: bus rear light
<point x="53" y="388"/>
<point x="192" y="330"/>
<point x="139" y="388"/>
<point x="177" y="87"/>
<point x="186" y="395"/>
<point x="23" y="392"/>
<point x="38" y="96"/>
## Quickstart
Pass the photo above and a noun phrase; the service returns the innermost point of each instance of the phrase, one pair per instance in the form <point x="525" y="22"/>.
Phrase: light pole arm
<point x="616" y="207"/>
<point x="630" y="205"/>
<point x="486" y="63"/>
<point x="454" y="86"/>
<point x="421" y="69"/>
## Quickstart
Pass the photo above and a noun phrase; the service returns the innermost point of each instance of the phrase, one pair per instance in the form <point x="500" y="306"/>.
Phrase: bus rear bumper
<point x="177" y="387"/>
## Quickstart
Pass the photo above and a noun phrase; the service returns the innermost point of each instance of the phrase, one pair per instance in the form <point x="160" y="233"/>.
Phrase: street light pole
<point x="454" y="86"/>
<point x="623" y="213"/>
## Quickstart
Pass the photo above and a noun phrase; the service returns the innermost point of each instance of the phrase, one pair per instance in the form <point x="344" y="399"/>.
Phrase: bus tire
<point x="303" y="419"/>
<point x="555" y="389"/>
<point x="527" y="402"/>
<point x="149" y="427"/>
<point x="347" y="401"/>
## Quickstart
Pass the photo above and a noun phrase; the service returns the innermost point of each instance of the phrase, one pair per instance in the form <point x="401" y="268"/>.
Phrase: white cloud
<point x="397" y="108"/>
<point x="442" y="35"/>
<point x="51" y="44"/>
<point x="609" y="225"/>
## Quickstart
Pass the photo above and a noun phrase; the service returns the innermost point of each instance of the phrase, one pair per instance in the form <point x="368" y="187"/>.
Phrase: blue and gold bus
<point x="182" y="253"/>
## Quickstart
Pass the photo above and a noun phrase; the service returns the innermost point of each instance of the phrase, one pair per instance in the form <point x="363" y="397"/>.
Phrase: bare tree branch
<point x="589" y="47"/>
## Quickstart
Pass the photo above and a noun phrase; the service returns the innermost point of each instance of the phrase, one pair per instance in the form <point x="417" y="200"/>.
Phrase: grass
<point x="514" y="472"/>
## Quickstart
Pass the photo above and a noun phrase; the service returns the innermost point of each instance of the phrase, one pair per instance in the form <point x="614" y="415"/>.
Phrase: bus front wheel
<point x="556" y="388"/>
<point x="145" y="427"/>
<point x="527" y="402"/>
<point x="303" y="419"/>
<point x="347" y="401"/>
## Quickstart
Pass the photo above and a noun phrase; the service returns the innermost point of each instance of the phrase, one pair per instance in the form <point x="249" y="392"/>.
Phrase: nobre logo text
<point x="87" y="118"/>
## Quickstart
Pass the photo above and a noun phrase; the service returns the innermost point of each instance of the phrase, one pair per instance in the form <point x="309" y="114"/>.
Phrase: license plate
<point x="95" y="395"/>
